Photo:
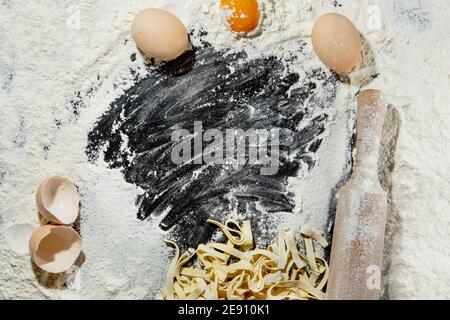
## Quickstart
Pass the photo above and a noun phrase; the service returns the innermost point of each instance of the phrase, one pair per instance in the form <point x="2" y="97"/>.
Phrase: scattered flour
<point x="413" y="62"/>
<point x="48" y="55"/>
<point x="47" y="60"/>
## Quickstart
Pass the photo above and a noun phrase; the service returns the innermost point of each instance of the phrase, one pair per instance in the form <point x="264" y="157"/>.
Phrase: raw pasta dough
<point x="234" y="271"/>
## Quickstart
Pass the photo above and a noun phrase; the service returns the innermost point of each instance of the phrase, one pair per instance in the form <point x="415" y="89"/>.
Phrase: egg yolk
<point x="241" y="15"/>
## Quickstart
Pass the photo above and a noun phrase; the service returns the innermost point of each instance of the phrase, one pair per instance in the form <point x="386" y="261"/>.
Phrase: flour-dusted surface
<point x="45" y="61"/>
<point x="413" y="60"/>
<point x="57" y="78"/>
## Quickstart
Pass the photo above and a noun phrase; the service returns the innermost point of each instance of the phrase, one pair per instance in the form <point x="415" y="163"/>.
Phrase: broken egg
<point x="58" y="200"/>
<point x="18" y="236"/>
<point x="55" y="248"/>
<point x="242" y="16"/>
<point x="159" y="34"/>
<point x="337" y="42"/>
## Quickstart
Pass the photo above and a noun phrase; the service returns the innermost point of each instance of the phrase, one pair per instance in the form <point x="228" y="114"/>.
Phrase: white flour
<point x="413" y="61"/>
<point x="46" y="56"/>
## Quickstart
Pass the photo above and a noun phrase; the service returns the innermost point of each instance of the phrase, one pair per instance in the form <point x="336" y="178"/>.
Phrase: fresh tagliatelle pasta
<point x="237" y="271"/>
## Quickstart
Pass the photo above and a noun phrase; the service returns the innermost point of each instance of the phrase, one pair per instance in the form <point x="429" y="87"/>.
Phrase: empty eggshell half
<point x="159" y="34"/>
<point x="337" y="42"/>
<point x="55" y="248"/>
<point x="58" y="200"/>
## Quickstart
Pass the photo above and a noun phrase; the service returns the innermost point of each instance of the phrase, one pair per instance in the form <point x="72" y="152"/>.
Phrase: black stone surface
<point x="258" y="94"/>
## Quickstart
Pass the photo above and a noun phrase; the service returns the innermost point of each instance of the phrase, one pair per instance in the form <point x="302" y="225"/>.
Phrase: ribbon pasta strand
<point x="237" y="271"/>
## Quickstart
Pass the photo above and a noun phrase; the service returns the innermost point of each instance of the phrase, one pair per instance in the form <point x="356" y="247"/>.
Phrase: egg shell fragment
<point x="58" y="201"/>
<point x="18" y="236"/>
<point x="55" y="248"/>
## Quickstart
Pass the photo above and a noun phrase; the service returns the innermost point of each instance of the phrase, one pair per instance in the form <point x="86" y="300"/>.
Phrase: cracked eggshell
<point x="159" y="34"/>
<point x="18" y="236"/>
<point x="55" y="248"/>
<point x="58" y="200"/>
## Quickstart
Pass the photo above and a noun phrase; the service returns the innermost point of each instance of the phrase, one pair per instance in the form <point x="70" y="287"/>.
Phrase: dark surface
<point x="149" y="112"/>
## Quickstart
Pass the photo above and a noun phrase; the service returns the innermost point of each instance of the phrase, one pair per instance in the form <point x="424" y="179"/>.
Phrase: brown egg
<point x="159" y="34"/>
<point x="58" y="201"/>
<point x="55" y="248"/>
<point x="337" y="42"/>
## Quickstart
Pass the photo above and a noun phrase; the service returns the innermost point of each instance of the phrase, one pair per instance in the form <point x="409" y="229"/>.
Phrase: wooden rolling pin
<point x="358" y="237"/>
